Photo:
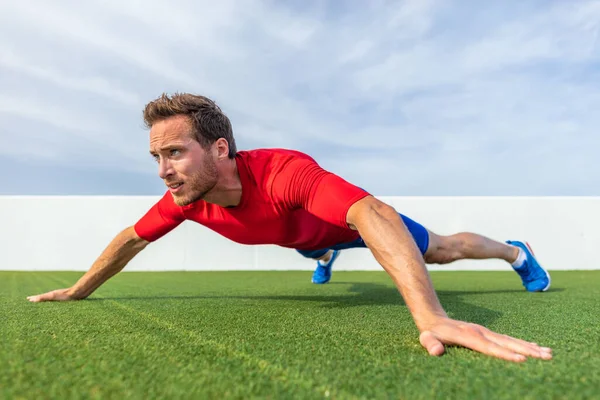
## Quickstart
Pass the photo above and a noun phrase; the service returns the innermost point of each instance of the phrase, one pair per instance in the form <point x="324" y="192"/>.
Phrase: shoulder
<point x="161" y="218"/>
<point x="168" y="208"/>
<point x="263" y="165"/>
<point x="275" y="156"/>
<point x="273" y="171"/>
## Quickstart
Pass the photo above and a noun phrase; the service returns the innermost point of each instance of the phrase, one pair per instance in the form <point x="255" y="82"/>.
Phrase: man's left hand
<point x="447" y="331"/>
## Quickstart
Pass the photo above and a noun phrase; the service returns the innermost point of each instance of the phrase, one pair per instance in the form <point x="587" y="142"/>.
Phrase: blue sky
<point x="402" y="98"/>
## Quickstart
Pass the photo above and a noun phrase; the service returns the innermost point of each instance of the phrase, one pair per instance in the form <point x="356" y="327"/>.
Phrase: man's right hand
<point x="112" y="260"/>
<point x="55" y="295"/>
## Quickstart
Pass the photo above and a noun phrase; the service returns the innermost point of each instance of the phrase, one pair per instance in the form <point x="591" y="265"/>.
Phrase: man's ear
<point x="222" y="148"/>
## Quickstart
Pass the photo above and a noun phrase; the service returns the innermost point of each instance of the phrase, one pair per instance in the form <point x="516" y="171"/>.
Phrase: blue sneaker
<point x="534" y="277"/>
<point x="322" y="273"/>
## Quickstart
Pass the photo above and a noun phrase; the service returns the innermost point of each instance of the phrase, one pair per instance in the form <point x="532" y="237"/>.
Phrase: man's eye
<point x="175" y="152"/>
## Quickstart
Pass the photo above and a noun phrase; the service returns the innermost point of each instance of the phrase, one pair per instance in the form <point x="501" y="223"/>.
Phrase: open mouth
<point x="174" y="187"/>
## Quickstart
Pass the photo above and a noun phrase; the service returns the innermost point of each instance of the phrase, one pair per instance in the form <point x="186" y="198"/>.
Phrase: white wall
<point x="68" y="233"/>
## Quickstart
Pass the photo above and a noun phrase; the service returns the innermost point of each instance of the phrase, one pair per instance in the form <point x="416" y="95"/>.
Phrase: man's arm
<point x="387" y="237"/>
<point x="126" y="245"/>
<point x="304" y="184"/>
<point x="385" y="234"/>
<point x="160" y="219"/>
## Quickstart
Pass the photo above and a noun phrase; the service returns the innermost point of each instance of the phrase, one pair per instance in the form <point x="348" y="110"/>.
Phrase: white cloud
<point x="565" y="32"/>
<point x="437" y="97"/>
<point x="93" y="84"/>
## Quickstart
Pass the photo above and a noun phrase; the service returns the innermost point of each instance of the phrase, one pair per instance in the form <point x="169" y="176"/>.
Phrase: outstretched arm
<point x="382" y="229"/>
<point x="126" y="245"/>
<point x="385" y="234"/>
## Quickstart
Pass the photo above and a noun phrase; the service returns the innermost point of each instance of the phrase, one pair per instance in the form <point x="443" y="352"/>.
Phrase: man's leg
<point x="437" y="249"/>
<point x="467" y="245"/>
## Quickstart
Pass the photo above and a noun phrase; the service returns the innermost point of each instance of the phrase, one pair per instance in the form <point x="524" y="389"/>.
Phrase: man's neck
<point x="228" y="191"/>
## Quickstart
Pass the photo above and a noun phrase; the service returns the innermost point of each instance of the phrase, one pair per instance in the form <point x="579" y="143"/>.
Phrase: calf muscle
<point x="467" y="245"/>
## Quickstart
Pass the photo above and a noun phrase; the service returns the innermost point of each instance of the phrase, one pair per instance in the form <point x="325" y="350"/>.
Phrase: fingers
<point x="38" y="298"/>
<point x="433" y="346"/>
<point x="520" y="346"/>
<point x="486" y="346"/>
<point x="472" y="337"/>
<point x="50" y="296"/>
<point x="34" y="299"/>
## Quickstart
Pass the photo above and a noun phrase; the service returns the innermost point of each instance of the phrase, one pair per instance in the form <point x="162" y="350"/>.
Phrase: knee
<point x="444" y="249"/>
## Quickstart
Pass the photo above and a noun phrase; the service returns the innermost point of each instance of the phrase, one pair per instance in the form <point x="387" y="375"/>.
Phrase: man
<point x="284" y="197"/>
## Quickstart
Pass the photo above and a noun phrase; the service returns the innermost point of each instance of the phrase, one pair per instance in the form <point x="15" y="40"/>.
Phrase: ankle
<point x="325" y="258"/>
<point x="514" y="253"/>
<point x="519" y="259"/>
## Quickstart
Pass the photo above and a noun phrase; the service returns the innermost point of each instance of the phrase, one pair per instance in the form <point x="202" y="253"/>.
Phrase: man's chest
<point x="257" y="223"/>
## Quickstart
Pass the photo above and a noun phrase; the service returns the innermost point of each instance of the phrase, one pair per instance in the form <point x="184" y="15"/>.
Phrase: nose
<point x="164" y="168"/>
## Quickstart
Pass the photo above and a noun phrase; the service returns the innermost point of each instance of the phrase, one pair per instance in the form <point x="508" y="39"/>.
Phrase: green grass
<point x="276" y="335"/>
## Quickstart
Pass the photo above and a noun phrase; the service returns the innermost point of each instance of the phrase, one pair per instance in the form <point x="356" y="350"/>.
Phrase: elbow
<point x="380" y="208"/>
<point x="383" y="209"/>
<point x="131" y="237"/>
<point x="367" y="209"/>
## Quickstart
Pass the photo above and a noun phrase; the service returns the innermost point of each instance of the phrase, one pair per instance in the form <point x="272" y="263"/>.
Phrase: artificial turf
<point x="275" y="335"/>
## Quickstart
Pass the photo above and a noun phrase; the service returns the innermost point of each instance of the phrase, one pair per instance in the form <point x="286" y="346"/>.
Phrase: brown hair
<point x="208" y="121"/>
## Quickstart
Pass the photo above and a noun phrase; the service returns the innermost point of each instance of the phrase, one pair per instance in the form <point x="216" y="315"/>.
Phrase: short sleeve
<point x="163" y="217"/>
<point x="302" y="183"/>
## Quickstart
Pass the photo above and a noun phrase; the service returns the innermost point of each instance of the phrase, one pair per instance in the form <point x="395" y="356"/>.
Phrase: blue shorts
<point x="418" y="232"/>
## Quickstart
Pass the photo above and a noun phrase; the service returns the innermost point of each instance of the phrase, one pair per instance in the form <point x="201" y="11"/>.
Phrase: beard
<point x="199" y="184"/>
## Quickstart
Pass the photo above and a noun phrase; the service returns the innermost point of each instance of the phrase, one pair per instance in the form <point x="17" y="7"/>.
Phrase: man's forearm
<point x="113" y="259"/>
<point x="384" y="233"/>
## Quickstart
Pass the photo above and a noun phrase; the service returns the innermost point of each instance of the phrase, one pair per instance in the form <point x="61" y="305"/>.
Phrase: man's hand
<point x="55" y="295"/>
<point x="451" y="332"/>
<point x="113" y="259"/>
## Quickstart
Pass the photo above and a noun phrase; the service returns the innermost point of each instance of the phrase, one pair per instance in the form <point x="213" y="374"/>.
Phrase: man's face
<point x="186" y="168"/>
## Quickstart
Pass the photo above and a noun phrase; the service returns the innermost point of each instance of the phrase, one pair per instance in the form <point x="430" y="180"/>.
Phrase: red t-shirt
<point x="287" y="200"/>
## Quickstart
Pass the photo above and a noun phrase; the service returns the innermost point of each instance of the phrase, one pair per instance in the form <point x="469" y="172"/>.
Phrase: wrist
<point x="75" y="294"/>
<point x="426" y="322"/>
